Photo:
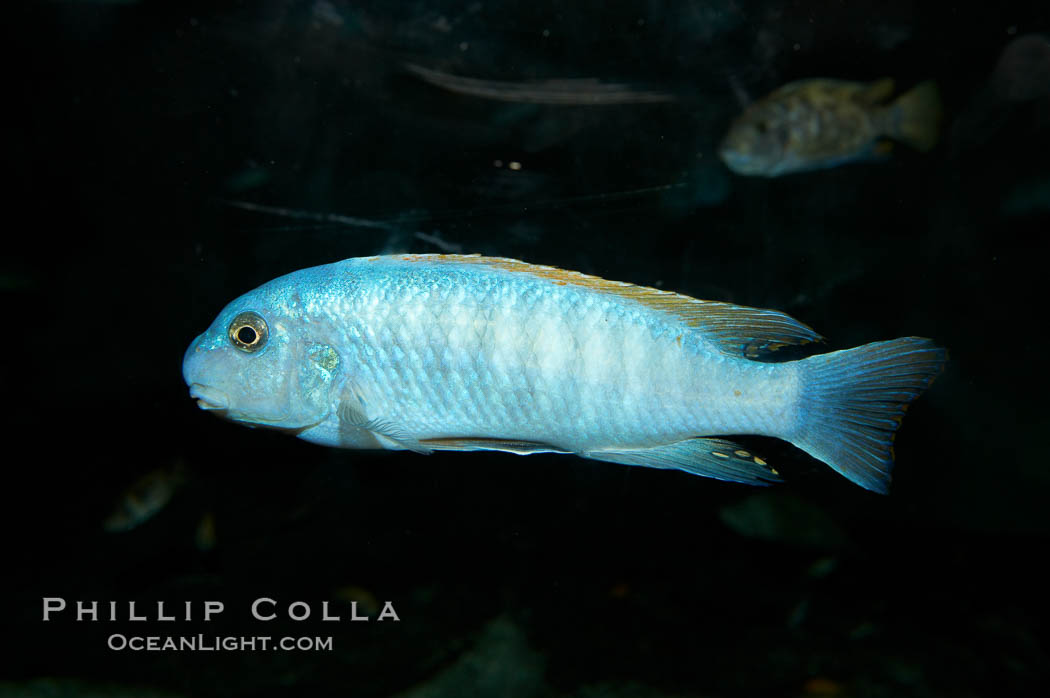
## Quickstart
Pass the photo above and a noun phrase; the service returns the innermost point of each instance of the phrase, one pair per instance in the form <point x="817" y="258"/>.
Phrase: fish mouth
<point x="214" y="400"/>
<point x="208" y="398"/>
<point x="732" y="157"/>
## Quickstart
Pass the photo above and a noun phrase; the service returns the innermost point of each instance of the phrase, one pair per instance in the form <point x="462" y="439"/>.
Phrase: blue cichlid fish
<point x="465" y="353"/>
<point x="821" y="123"/>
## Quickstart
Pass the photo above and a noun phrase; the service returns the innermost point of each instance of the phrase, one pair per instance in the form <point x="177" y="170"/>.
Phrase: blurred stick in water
<point x="573" y="91"/>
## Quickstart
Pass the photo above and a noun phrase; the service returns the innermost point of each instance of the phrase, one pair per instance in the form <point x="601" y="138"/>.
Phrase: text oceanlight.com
<point x="217" y="643"/>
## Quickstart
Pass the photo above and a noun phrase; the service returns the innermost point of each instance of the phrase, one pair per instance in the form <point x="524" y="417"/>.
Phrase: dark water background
<point x="134" y="124"/>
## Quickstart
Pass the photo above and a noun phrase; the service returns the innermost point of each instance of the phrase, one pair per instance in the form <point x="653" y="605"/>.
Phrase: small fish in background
<point x="146" y="497"/>
<point x="782" y="518"/>
<point x="466" y="353"/>
<point x="563" y="92"/>
<point x="1020" y="79"/>
<point x="1022" y="72"/>
<point x="821" y="123"/>
<point x="822" y="687"/>
<point x="204" y="537"/>
<point x="363" y="600"/>
<point x="499" y="662"/>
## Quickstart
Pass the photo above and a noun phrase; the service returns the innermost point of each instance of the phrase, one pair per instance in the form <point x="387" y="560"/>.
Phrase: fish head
<point x="261" y="364"/>
<point x="756" y="144"/>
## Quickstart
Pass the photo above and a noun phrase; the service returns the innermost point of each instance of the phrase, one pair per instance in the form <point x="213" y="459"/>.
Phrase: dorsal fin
<point x="736" y="329"/>
<point x="876" y="92"/>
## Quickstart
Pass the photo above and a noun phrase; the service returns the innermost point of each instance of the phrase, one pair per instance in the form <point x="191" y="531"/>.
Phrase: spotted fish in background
<point x="146" y="497"/>
<point x="464" y="353"/>
<point x="819" y="123"/>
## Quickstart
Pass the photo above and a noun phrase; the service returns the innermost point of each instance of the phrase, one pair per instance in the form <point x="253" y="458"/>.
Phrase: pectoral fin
<point x="717" y="458"/>
<point x="354" y="419"/>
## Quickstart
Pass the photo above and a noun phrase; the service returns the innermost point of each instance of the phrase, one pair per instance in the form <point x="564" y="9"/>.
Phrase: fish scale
<point x="460" y="352"/>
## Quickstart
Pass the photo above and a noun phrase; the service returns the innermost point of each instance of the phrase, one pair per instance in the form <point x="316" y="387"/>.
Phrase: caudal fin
<point x="852" y="402"/>
<point x="917" y="116"/>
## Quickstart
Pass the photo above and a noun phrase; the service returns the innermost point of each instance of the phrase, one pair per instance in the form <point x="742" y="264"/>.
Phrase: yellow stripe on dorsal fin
<point x="737" y="330"/>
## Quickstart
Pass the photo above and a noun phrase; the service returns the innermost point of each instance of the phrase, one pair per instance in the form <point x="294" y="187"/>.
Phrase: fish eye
<point x="762" y="127"/>
<point x="248" y="332"/>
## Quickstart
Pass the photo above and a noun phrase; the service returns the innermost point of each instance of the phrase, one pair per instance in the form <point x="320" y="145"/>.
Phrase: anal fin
<point x="521" y="448"/>
<point x="716" y="458"/>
